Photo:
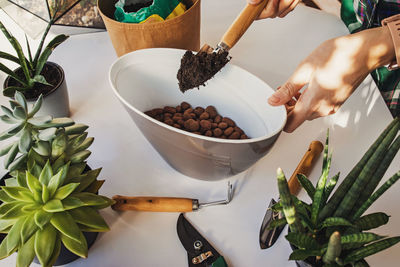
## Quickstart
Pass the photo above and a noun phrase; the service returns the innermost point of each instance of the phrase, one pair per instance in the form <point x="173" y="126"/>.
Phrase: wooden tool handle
<point x="242" y="23"/>
<point x="305" y="165"/>
<point x="163" y="204"/>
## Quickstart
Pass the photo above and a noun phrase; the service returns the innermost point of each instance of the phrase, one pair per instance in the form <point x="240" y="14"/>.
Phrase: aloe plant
<point x="39" y="213"/>
<point x="333" y="230"/>
<point x="30" y="65"/>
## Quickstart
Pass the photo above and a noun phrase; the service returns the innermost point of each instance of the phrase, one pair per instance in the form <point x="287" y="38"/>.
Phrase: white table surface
<point x="271" y="49"/>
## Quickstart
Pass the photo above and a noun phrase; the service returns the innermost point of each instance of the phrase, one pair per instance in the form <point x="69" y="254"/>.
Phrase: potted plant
<point x="333" y="231"/>
<point x="35" y="75"/>
<point x="51" y="202"/>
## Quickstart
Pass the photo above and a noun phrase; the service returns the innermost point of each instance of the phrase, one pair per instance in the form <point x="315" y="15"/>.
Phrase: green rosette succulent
<point x="332" y="230"/>
<point x="52" y="195"/>
<point x="41" y="212"/>
<point x="58" y="139"/>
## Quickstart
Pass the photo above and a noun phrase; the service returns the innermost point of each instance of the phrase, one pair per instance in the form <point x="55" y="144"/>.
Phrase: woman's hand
<point x="275" y="8"/>
<point x="332" y="72"/>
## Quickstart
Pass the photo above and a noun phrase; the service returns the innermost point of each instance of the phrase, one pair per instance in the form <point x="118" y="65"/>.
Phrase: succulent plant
<point x="333" y="230"/>
<point x="41" y="212"/>
<point x="52" y="195"/>
<point x="55" y="139"/>
<point x="31" y="66"/>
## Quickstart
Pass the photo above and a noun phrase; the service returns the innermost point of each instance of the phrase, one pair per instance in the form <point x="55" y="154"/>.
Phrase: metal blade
<point x="269" y="236"/>
<point x="193" y="242"/>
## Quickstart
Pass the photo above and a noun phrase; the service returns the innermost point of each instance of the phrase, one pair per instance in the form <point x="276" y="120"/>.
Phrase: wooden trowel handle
<point x="305" y="165"/>
<point x="242" y="23"/>
<point x="163" y="204"/>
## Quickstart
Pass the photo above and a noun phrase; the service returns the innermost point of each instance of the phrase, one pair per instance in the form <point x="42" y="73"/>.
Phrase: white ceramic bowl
<point x="146" y="79"/>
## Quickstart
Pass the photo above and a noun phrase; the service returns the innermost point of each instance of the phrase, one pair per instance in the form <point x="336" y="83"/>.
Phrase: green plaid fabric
<point x="363" y="14"/>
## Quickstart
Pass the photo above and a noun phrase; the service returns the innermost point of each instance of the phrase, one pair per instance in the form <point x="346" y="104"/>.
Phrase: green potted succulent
<point x="51" y="202"/>
<point x="36" y="75"/>
<point x="333" y="230"/>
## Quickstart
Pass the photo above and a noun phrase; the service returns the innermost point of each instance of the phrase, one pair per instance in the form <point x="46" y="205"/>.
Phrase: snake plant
<point x="333" y="230"/>
<point x="30" y="65"/>
<point x="52" y="195"/>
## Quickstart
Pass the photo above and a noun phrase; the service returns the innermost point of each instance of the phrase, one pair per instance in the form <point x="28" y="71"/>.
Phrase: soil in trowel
<point x="198" y="68"/>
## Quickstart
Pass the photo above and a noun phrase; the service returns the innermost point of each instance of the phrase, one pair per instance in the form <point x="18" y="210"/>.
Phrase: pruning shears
<point x="200" y="252"/>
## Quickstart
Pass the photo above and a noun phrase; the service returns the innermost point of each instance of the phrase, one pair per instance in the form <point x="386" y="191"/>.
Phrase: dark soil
<point x="136" y="7"/>
<point x="198" y="120"/>
<point x="198" y="68"/>
<point x="50" y="73"/>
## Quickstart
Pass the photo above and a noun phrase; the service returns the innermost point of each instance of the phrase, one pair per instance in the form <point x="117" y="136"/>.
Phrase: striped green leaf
<point x="348" y="181"/>
<point x="382" y="189"/>
<point x="358" y="239"/>
<point x="306" y="184"/>
<point x="370" y="249"/>
<point x="301" y="254"/>
<point x="302" y="241"/>
<point x="372" y="221"/>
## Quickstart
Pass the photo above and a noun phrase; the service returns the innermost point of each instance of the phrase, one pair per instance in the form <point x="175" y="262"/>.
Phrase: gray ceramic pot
<point x="55" y="102"/>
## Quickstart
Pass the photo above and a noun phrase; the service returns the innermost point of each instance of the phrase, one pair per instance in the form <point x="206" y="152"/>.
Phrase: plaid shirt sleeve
<point x="364" y="14"/>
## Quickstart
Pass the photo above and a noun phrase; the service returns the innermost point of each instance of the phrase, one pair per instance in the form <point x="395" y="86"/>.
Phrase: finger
<point x="295" y="117"/>
<point x="254" y="2"/>
<point x="283" y="5"/>
<point x="299" y="78"/>
<point x="285" y="93"/>
<point x="270" y="10"/>
<point x="288" y="9"/>
<point x="289" y="109"/>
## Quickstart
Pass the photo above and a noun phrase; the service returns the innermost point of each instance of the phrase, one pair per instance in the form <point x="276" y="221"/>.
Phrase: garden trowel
<point x="269" y="236"/>
<point x="196" y="69"/>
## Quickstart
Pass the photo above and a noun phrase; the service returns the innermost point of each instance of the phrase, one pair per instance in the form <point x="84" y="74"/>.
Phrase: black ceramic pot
<point x="67" y="256"/>
<point x="2" y="183"/>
